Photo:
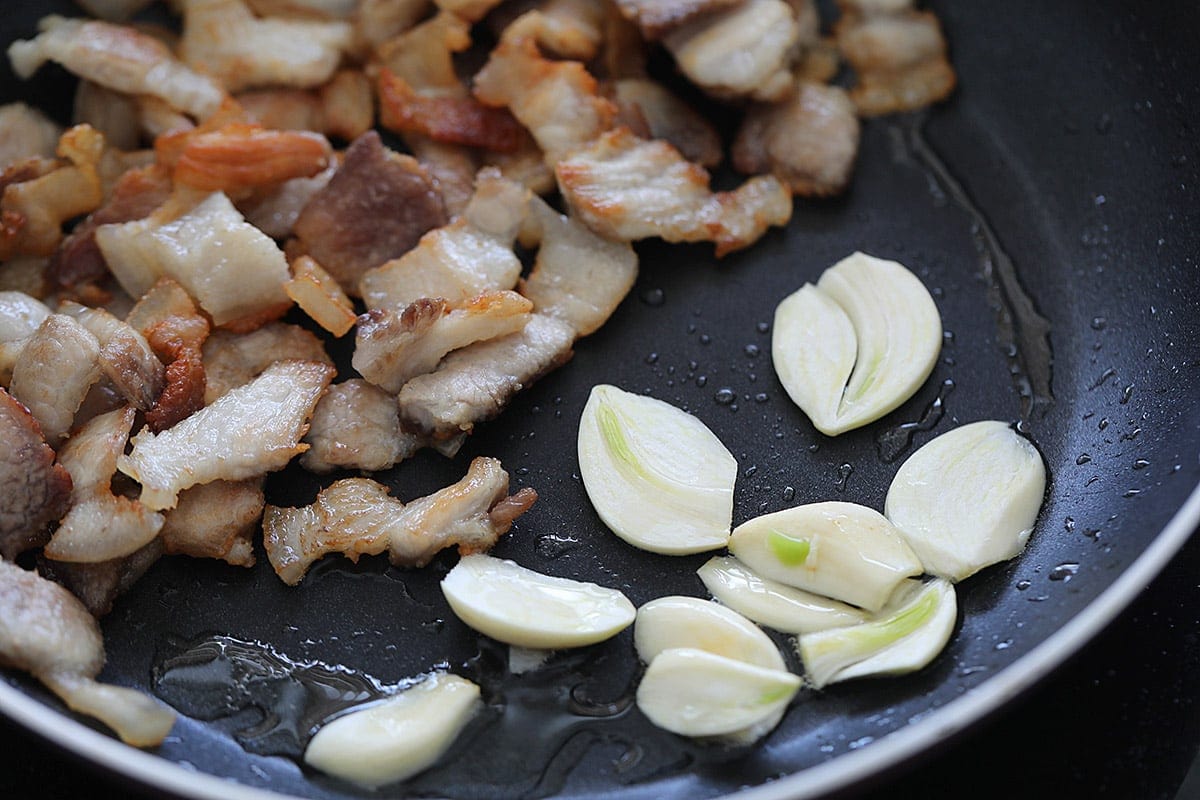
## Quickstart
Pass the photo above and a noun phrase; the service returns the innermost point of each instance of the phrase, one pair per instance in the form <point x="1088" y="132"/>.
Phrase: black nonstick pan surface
<point x="1050" y="206"/>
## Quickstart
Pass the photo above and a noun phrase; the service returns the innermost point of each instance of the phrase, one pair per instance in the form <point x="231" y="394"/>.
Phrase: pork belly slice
<point x="58" y="364"/>
<point x="319" y="296"/>
<point x="135" y="195"/>
<point x="742" y="52"/>
<point x="26" y="132"/>
<point x="33" y="210"/>
<point x="667" y="117"/>
<point x="245" y="433"/>
<point x="356" y="425"/>
<point x="241" y="156"/>
<point x="655" y="18"/>
<point x="216" y="520"/>
<point x="98" y="585"/>
<point x="471" y="255"/>
<point x="232" y="360"/>
<point x="809" y="141"/>
<point x="47" y="632"/>
<point x="175" y="330"/>
<point x="126" y="358"/>
<point x="375" y="208"/>
<point x="900" y="61"/>
<point x="453" y="120"/>
<point x="305" y="9"/>
<point x="357" y="516"/>
<point x="233" y="270"/>
<point x="113" y="114"/>
<point x="20" y="316"/>
<point x="274" y="210"/>
<point x="392" y="347"/>
<point x="37" y="491"/>
<point x="100" y="526"/>
<point x="475" y="383"/>
<point x="377" y="21"/>
<point x="578" y="277"/>
<point x="224" y="39"/>
<point x="344" y="107"/>
<point x="558" y="101"/>
<point x="626" y="188"/>
<point x="120" y="58"/>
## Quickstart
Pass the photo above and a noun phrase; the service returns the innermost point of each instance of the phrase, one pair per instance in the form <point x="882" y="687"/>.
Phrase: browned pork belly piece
<point x="375" y="208"/>
<point x="25" y="132"/>
<point x="526" y="166"/>
<point x="809" y="141"/>
<point x="57" y="366"/>
<point x="655" y="18"/>
<point x="20" y="316"/>
<point x="136" y="195"/>
<point x="304" y="9"/>
<point x="175" y="330"/>
<point x="232" y="360"/>
<point x="357" y="426"/>
<point x="471" y="255"/>
<point x="224" y="39"/>
<point x="667" y="117"/>
<point x="126" y="358"/>
<point x="32" y="212"/>
<point x="275" y="209"/>
<point x="98" y="585"/>
<point x="36" y="490"/>
<point x="112" y="113"/>
<point x="247" y="432"/>
<point x="357" y="516"/>
<point x="319" y="296"/>
<point x="449" y="119"/>
<point x="233" y="270"/>
<point x="565" y="28"/>
<point x="475" y="383"/>
<point x="626" y="188"/>
<point x="578" y="277"/>
<point x="240" y="156"/>
<point x="216" y="520"/>
<point x="343" y="107"/>
<point x="47" y="632"/>
<point x="100" y="526"/>
<point x="391" y="347"/>
<point x="558" y="101"/>
<point x="900" y="61"/>
<point x="376" y="21"/>
<point x="742" y="52"/>
<point x="117" y="57"/>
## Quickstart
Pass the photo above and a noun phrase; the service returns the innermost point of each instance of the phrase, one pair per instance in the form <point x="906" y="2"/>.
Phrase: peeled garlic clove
<point x="772" y="603"/>
<point x="528" y="609"/>
<point x="697" y="693"/>
<point x="968" y="498"/>
<point x="840" y="550"/>
<point x="904" y="637"/>
<point x="658" y="477"/>
<point x="397" y="738"/>
<point x="857" y="344"/>
<point x="676" y="621"/>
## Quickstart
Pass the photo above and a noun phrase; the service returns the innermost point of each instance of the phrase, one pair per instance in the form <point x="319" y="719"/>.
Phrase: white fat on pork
<point x="626" y="188"/>
<point x="899" y="58"/>
<point x="57" y="367"/>
<point x="233" y="270"/>
<point x="25" y="132"/>
<point x="100" y="525"/>
<point x="216" y="520"/>
<point x="357" y="516"/>
<point x="234" y="359"/>
<point x="247" y="432"/>
<point x="20" y="316"/>
<point x="356" y="425"/>
<point x="117" y="57"/>
<point x="275" y="210"/>
<point x="320" y="296"/>
<point x="126" y="358"/>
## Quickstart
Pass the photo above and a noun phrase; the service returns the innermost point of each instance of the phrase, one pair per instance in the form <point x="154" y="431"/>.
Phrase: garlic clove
<point x="771" y="603"/>
<point x="840" y="550"/>
<point x="397" y="738"/>
<point x="521" y="607"/>
<point x="697" y="693"/>
<point x="857" y="344"/>
<point x="968" y="498"/>
<point x="903" y="637"/>
<point x="657" y="476"/>
<point x="676" y="621"/>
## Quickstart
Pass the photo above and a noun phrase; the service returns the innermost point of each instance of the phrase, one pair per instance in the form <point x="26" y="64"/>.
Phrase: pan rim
<point x="841" y="772"/>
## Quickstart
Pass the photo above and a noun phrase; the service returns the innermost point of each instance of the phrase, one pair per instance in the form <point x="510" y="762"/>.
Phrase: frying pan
<point x="1050" y="206"/>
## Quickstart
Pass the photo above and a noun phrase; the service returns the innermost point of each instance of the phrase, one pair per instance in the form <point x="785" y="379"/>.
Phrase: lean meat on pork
<point x="356" y="425"/>
<point x="37" y="490"/>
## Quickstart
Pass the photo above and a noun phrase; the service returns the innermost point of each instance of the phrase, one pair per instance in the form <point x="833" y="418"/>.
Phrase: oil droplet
<point x="1092" y="533"/>
<point x="1069" y="523"/>
<point x="1064" y="572"/>
<point x="863" y="742"/>
<point x="761" y="397"/>
<point x="1004" y="645"/>
<point x="1141" y="463"/>
<point x="1022" y="585"/>
<point x="725" y="396"/>
<point x="705" y="338"/>
<point x="1103" y="423"/>
<point x="1126" y="393"/>
<point x="654" y="297"/>
<point x="1084" y="458"/>
<point x="751" y="350"/>
<point x="701" y="380"/>
<point x="789" y="494"/>
<point x="1132" y="493"/>
<point x="763" y="327"/>
<point x="1104" y="124"/>
<point x="844" y="473"/>
<point x="892" y="442"/>
<point x="1099" y="323"/>
<point x="651" y="358"/>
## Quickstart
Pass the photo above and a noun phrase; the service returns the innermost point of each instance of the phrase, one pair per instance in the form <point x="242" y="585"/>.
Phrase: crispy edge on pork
<point x="37" y="491"/>
<point x="899" y="58"/>
<point x="168" y="318"/>
<point x="245" y="433"/>
<point x="317" y="294"/>
<point x="356" y="425"/>
<point x="626" y="188"/>
<point x="234" y="359"/>
<point x="47" y="632"/>
<point x="216" y="520"/>
<point x="357" y="516"/>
